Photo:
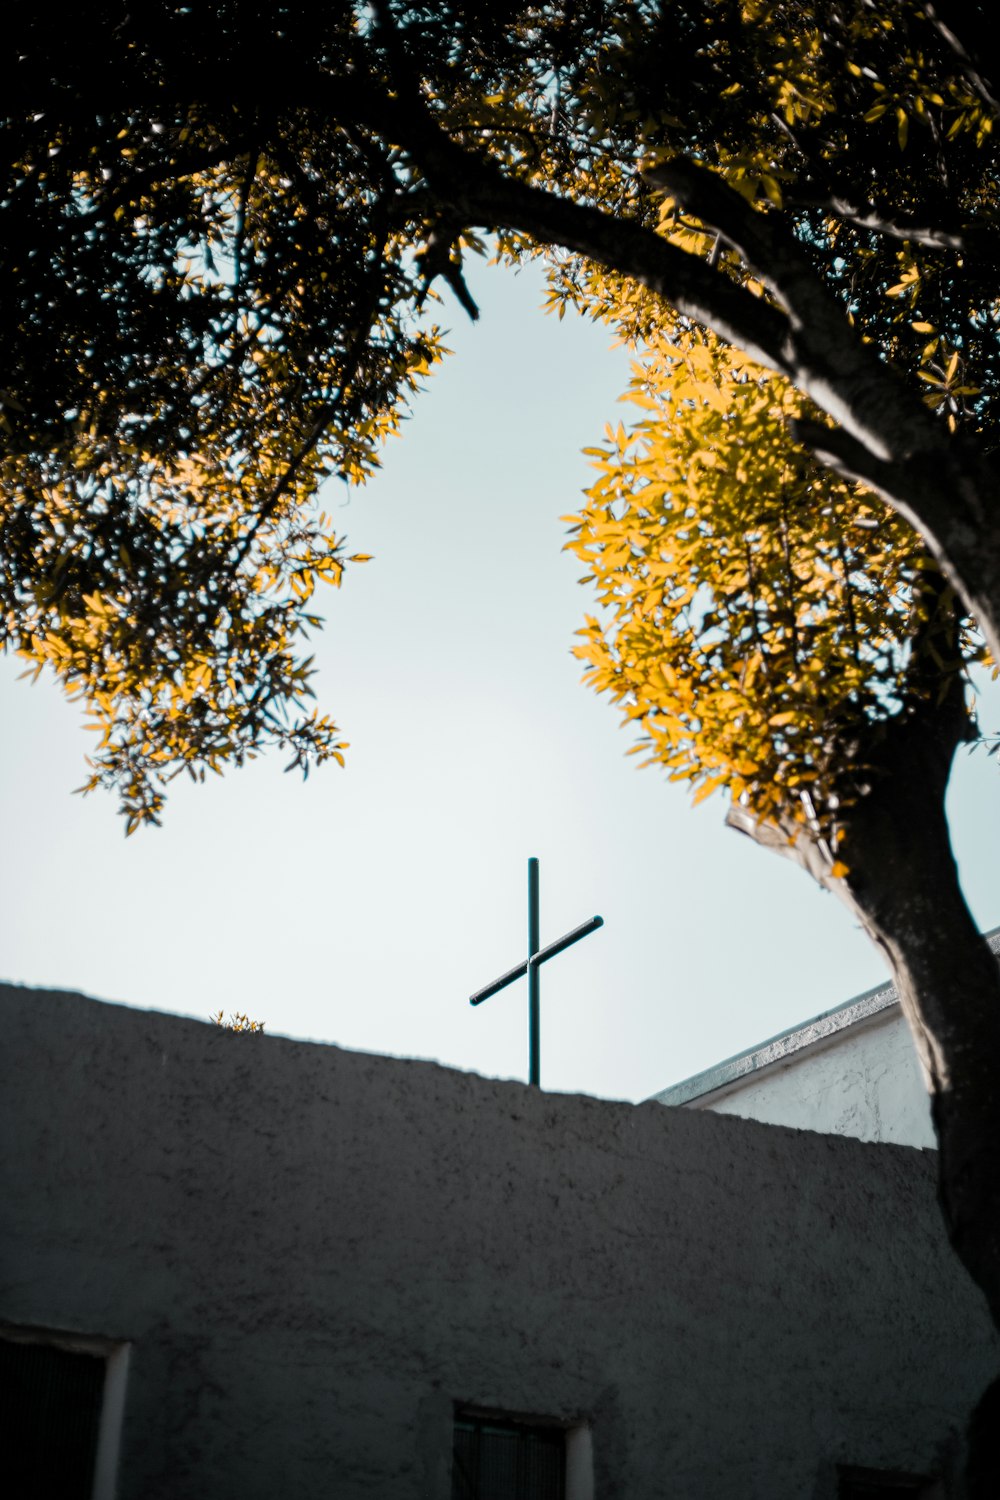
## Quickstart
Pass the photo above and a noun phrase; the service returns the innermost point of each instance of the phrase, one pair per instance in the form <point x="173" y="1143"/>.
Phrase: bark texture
<point x="903" y="888"/>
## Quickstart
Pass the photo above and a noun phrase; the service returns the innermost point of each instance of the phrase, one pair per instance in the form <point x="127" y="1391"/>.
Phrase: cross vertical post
<point x="532" y="967"/>
<point x="534" y="981"/>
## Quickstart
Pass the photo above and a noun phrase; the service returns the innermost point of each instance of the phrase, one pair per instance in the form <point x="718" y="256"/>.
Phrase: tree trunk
<point x="908" y="897"/>
<point x="903" y="887"/>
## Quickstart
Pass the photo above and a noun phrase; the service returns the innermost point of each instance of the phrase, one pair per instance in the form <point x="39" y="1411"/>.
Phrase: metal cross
<point x="532" y="967"/>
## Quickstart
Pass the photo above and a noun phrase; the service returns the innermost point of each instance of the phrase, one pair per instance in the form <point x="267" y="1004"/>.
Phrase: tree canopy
<point x="235" y="217"/>
<point x="762" y="615"/>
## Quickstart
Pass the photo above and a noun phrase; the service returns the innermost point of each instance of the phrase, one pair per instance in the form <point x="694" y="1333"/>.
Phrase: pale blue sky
<point x="362" y="906"/>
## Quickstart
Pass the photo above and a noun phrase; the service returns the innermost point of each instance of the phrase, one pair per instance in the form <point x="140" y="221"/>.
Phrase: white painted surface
<point x="110" y="1434"/>
<point x="864" y="1082"/>
<point x="579" y="1463"/>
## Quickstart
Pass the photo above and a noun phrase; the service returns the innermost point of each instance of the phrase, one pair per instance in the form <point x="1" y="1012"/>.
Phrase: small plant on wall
<point x="237" y="1021"/>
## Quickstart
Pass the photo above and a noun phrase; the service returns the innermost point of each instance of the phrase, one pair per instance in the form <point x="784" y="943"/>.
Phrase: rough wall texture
<point x="317" y="1253"/>
<point x="864" y="1082"/>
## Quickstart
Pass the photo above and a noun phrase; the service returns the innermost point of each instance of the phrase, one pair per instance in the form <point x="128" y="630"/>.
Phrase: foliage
<point x="858" y="128"/>
<point x="223" y="346"/>
<point x="238" y="1022"/>
<point x="762" y="611"/>
<point x="757" y="610"/>
<point x="235" y="215"/>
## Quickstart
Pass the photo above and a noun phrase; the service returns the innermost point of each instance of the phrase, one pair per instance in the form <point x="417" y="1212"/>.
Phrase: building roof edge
<point x="787" y="1044"/>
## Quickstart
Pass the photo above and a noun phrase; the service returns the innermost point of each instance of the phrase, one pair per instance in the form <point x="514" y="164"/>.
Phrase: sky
<point x="363" y="906"/>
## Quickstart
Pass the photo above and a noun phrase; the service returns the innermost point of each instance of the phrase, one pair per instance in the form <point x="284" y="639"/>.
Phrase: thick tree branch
<point x="812" y="344"/>
<point x="907" y="487"/>
<point x="822" y="353"/>
<point x="475" y="190"/>
<point x="946" y="491"/>
<point x="866" y="215"/>
<point x="885" y="436"/>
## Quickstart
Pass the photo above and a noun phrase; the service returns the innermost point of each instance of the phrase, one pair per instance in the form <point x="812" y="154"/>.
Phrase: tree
<point x="236" y="219"/>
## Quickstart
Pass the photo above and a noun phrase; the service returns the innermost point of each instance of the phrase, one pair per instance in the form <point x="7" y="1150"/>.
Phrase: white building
<point x="850" y="1071"/>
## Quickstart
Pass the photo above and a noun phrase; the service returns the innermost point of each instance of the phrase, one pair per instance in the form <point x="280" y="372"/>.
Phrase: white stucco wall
<point x="850" y="1071"/>
<point x="865" y="1082"/>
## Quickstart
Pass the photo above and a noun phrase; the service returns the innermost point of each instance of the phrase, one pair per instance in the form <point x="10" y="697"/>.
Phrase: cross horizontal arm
<point x="566" y="942"/>
<point x="539" y="958"/>
<point x="499" y="984"/>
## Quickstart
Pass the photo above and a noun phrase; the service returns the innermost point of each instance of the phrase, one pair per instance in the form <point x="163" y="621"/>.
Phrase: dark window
<point x="50" y="1411"/>
<point x="499" y="1459"/>
<point x="878" y="1484"/>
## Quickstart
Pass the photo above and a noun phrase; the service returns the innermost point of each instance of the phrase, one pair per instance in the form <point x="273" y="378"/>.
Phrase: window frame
<point x="578" y="1465"/>
<point x="115" y="1354"/>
